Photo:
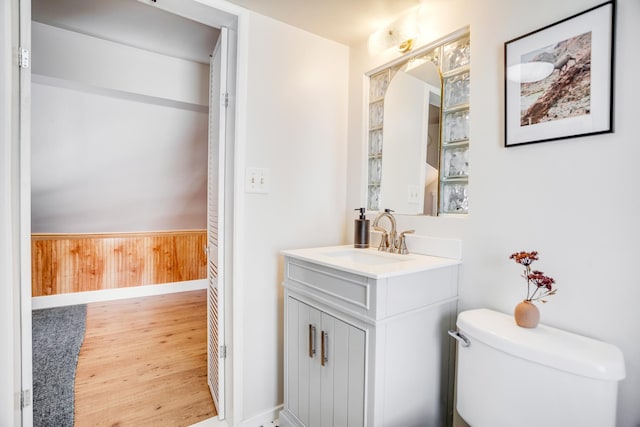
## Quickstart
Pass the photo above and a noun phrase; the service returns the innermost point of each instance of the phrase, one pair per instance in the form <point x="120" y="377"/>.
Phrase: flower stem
<point x="534" y="294"/>
<point x="542" y="295"/>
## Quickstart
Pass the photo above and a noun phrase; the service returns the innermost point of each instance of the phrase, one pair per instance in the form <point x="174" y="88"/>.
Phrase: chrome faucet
<point x="388" y="241"/>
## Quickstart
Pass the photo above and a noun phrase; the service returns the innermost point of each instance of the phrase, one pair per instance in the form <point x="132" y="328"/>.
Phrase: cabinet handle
<point x="325" y="344"/>
<point x="312" y="341"/>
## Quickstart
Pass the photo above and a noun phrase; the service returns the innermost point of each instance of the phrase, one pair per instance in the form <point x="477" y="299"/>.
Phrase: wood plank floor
<point x="143" y="363"/>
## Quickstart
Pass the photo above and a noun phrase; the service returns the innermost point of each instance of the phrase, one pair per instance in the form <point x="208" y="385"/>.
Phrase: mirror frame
<point x="429" y="52"/>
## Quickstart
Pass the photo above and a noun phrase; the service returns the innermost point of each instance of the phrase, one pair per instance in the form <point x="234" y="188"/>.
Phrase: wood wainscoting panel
<point x="64" y="263"/>
<point x="41" y="267"/>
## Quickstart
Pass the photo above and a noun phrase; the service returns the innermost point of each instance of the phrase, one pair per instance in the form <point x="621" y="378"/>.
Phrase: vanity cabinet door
<point x="303" y="362"/>
<point x="325" y="368"/>
<point x="342" y="374"/>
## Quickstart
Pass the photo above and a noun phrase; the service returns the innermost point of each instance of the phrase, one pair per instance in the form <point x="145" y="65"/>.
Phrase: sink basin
<point x="369" y="262"/>
<point x="366" y="257"/>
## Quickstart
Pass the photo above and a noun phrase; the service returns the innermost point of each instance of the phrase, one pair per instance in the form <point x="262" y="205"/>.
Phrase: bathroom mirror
<point x="418" y="136"/>
<point x="409" y="175"/>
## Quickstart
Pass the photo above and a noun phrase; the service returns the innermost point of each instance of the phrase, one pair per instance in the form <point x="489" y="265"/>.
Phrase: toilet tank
<point x="511" y="376"/>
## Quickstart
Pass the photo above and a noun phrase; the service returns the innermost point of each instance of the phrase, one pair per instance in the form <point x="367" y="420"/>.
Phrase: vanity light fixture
<point x="401" y="34"/>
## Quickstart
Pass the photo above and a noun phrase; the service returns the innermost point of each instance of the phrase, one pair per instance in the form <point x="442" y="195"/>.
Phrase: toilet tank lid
<point x="545" y="345"/>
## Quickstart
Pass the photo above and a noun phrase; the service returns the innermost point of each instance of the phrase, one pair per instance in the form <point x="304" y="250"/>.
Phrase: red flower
<point x="540" y="280"/>
<point x="543" y="284"/>
<point x="525" y="258"/>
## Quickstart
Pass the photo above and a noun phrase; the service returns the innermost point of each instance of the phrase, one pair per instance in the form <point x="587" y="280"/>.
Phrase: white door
<point x="216" y="353"/>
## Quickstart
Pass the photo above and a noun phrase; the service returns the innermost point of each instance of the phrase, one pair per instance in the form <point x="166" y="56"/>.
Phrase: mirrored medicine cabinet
<point x="418" y="122"/>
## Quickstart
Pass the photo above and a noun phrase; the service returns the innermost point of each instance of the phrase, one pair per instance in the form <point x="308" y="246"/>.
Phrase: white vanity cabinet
<point x="367" y="345"/>
<point x="327" y="355"/>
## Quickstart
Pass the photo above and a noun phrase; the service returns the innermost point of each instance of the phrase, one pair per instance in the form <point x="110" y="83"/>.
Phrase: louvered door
<point x="216" y="351"/>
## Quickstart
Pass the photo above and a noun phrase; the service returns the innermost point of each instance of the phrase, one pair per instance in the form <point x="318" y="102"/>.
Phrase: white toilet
<point x="508" y="376"/>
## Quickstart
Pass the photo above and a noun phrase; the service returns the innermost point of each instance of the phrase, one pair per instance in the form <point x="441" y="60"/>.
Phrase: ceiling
<point x="136" y="24"/>
<point x="345" y="21"/>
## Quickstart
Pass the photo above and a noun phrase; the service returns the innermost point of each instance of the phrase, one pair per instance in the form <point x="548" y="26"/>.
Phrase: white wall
<point x="106" y="164"/>
<point x="119" y="143"/>
<point x="574" y="201"/>
<point x="297" y="106"/>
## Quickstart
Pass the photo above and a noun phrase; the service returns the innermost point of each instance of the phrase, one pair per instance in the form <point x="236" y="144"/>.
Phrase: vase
<point x="527" y="314"/>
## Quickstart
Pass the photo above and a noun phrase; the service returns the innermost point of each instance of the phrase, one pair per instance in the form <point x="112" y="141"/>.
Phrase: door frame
<point x="10" y="217"/>
<point x="26" y="371"/>
<point x="222" y="13"/>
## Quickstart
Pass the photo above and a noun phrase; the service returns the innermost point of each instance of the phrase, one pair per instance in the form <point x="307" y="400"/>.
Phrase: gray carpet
<point x="57" y="336"/>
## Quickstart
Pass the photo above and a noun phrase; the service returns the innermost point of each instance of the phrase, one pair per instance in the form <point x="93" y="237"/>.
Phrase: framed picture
<point x="559" y="79"/>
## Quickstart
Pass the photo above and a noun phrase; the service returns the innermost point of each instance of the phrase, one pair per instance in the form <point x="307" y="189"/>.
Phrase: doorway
<point x="213" y="17"/>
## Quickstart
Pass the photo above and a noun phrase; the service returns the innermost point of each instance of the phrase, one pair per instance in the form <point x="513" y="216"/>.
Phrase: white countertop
<point x="370" y="262"/>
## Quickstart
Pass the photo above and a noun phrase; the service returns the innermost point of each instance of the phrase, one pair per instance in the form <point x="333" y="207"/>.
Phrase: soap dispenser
<point x="361" y="230"/>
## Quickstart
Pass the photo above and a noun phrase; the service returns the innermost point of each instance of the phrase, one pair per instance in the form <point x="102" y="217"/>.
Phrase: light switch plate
<point x="412" y="194"/>
<point x="257" y="180"/>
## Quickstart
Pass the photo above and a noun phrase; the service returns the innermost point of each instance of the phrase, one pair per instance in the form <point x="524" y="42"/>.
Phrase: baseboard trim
<point x="103" y="295"/>
<point x="285" y="420"/>
<point x="264" y="418"/>
<point x="211" y="422"/>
